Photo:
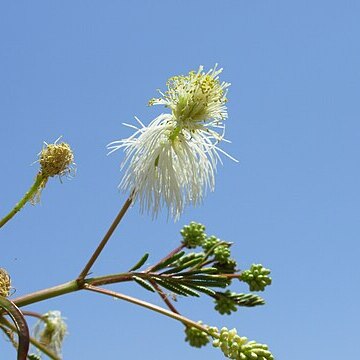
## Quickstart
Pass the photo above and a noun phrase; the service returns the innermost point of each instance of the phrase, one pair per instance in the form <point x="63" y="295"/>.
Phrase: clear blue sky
<point x="81" y="68"/>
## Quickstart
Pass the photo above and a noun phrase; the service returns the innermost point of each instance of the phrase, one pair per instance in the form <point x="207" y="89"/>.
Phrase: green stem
<point x="45" y="294"/>
<point x="40" y="178"/>
<point x="152" y="307"/>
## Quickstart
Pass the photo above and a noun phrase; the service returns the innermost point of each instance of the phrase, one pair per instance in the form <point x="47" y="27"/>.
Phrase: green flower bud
<point x="193" y="234"/>
<point x="196" y="337"/>
<point x="5" y="283"/>
<point x="256" y="277"/>
<point x="235" y="347"/>
<point x="224" y="303"/>
<point x="222" y="253"/>
<point x="210" y="242"/>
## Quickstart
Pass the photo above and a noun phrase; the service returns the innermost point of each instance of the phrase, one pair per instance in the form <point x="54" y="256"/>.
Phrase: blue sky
<point x="81" y="68"/>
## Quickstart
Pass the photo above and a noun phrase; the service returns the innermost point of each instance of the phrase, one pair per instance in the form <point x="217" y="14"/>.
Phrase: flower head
<point x="5" y="283"/>
<point x="51" y="330"/>
<point x="196" y="98"/>
<point x="172" y="161"/>
<point x="56" y="159"/>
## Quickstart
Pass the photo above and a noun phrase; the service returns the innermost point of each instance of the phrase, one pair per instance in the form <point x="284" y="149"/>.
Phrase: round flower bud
<point x="256" y="277"/>
<point x="210" y="242"/>
<point x="196" y="337"/>
<point x="5" y="283"/>
<point x="222" y="253"/>
<point x="56" y="159"/>
<point x="236" y="347"/>
<point x="193" y="234"/>
<point x="224" y="304"/>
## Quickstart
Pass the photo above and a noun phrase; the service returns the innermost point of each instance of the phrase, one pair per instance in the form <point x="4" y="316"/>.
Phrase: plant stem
<point x="36" y="343"/>
<point x="150" y="306"/>
<point x="45" y="294"/>
<point x="163" y="296"/>
<point x="21" y="326"/>
<point x="168" y="256"/>
<point x="110" y="279"/>
<point x="28" y="196"/>
<point x="106" y="238"/>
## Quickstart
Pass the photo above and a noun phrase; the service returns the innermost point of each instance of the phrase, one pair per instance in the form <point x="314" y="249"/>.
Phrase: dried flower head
<point x="5" y="283"/>
<point x="51" y="330"/>
<point x="56" y="159"/>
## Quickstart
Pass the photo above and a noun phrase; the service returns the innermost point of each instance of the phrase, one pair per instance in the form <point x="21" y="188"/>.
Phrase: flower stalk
<point x="31" y="194"/>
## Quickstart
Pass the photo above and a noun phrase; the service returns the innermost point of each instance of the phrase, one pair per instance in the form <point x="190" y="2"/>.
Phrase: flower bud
<point x="196" y="337"/>
<point x="193" y="234"/>
<point x="256" y="277"/>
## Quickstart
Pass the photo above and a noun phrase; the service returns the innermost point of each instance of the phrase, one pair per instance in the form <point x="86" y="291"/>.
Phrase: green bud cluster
<point x="235" y="347"/>
<point x="196" y="337"/>
<point x="224" y="304"/>
<point x="257" y="277"/>
<point x="222" y="253"/>
<point x="210" y="242"/>
<point x="193" y="234"/>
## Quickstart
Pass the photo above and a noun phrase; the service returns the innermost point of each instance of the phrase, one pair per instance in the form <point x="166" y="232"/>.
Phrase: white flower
<point x="167" y="167"/>
<point x="172" y="161"/>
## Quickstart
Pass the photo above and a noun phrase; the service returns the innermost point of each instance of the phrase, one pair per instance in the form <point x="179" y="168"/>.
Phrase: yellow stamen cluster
<point x="195" y="97"/>
<point x="5" y="283"/>
<point x="56" y="159"/>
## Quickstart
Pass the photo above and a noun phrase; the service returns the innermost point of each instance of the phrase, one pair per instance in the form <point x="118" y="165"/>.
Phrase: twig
<point x="106" y="238"/>
<point x="20" y="326"/>
<point x="34" y="342"/>
<point x="163" y="296"/>
<point x="28" y="196"/>
<point x="150" y="306"/>
<point x="172" y="253"/>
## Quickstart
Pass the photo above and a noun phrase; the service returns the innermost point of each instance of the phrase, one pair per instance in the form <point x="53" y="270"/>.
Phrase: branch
<point x="150" y="306"/>
<point x="106" y="238"/>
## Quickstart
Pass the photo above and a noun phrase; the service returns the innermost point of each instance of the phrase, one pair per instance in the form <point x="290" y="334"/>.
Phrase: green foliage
<point x="143" y="283"/>
<point x="34" y="357"/>
<point x="256" y="277"/>
<point x="227" y="302"/>
<point x="228" y="267"/>
<point x="140" y="263"/>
